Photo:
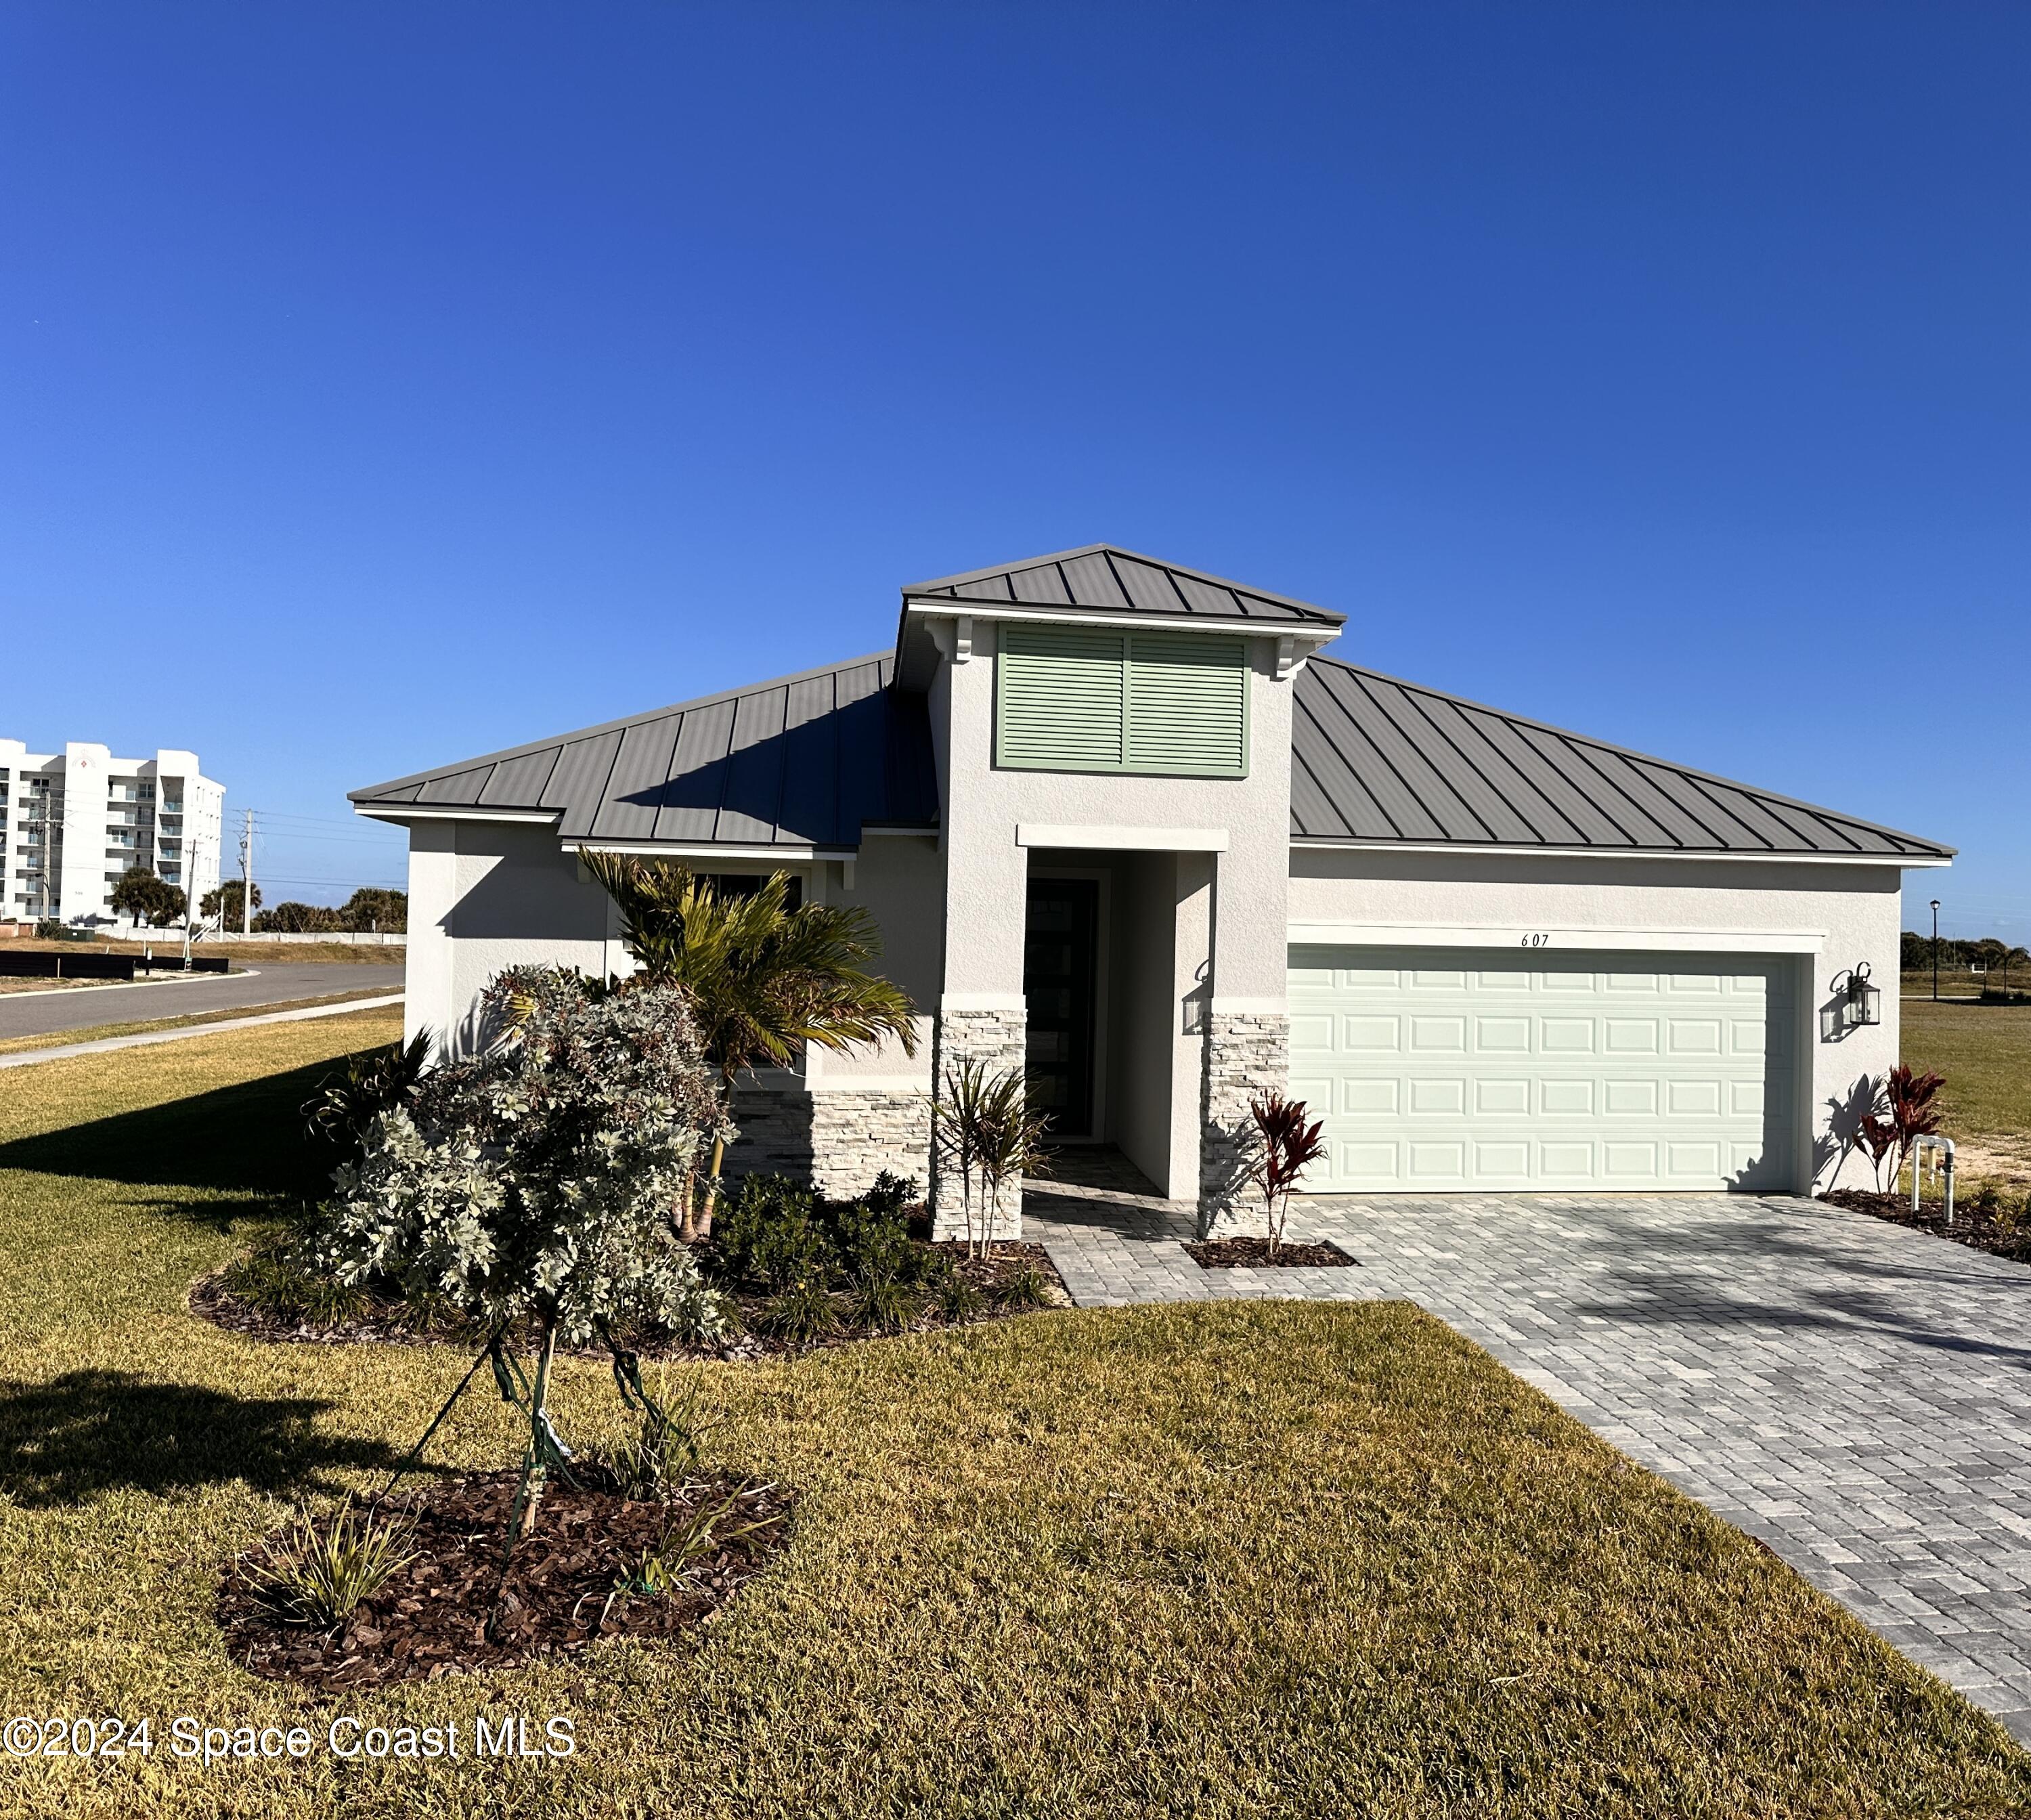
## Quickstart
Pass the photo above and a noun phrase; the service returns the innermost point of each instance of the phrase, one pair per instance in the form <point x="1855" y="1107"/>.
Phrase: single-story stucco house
<point x="1121" y="826"/>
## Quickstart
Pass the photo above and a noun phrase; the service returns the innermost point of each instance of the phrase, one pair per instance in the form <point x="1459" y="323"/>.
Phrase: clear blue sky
<point x="382" y="384"/>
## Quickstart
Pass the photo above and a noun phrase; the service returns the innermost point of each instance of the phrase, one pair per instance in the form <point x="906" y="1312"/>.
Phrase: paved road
<point x="39" y="1013"/>
<point x="1855" y="1394"/>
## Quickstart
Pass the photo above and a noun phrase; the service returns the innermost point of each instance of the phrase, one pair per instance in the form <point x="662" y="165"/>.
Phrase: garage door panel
<point x="1629" y="1098"/>
<point x="1566" y="1099"/>
<point x="1597" y="1072"/>
<point x="1438" y="1035"/>
<point x="1439" y="1099"/>
<point x="1502" y="1035"/>
<point x="1367" y="1035"/>
<point x="1696" y="1098"/>
<point x="1565" y="1162"/>
<point x="1496" y="1097"/>
<point x="1629" y="1036"/>
<point x="1566" y="1035"/>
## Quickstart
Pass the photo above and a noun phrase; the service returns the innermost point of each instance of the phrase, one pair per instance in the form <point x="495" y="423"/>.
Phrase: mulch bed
<point x="1254" y="1255"/>
<point x="1980" y="1231"/>
<point x="430" y="1619"/>
<point x="391" y="1323"/>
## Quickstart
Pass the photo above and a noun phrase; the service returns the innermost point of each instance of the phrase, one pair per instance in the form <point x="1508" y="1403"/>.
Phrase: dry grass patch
<point x="63" y="1038"/>
<point x="1274" y="1559"/>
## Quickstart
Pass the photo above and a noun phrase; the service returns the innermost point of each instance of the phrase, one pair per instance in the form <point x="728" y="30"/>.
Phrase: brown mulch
<point x="1254" y="1255"/>
<point x="430" y="1619"/>
<point x="392" y="1323"/>
<point x="1979" y="1230"/>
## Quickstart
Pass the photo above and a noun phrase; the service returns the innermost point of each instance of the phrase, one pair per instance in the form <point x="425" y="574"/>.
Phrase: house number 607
<point x="1534" y="941"/>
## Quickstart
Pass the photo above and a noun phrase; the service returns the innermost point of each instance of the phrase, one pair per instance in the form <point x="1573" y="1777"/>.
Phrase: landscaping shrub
<point x="769" y="1236"/>
<point x="1023" y="1287"/>
<point x="341" y="1113"/>
<point x="775" y="1232"/>
<point x="530" y="1188"/>
<point x="804" y="1310"/>
<point x="279" y="1280"/>
<point x="883" y="1305"/>
<point x="321" y="1571"/>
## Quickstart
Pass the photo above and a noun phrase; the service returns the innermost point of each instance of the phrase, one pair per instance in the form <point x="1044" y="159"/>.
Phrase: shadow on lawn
<point x="93" y="1431"/>
<point x="248" y="1137"/>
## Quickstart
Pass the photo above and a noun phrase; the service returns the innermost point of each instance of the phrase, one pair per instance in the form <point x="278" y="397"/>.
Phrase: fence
<point x="354" y="937"/>
<point x="97" y="963"/>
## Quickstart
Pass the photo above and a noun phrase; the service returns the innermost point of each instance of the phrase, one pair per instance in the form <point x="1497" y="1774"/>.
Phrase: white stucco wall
<point x="1849" y="913"/>
<point x="898" y="880"/>
<point x="484" y="895"/>
<point x="986" y="869"/>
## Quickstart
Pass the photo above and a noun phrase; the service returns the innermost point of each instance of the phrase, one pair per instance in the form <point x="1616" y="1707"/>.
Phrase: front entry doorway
<point x="1061" y="963"/>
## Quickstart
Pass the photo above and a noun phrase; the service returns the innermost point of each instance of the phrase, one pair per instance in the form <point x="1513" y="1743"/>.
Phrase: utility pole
<point x="247" y="877"/>
<point x="1936" y="951"/>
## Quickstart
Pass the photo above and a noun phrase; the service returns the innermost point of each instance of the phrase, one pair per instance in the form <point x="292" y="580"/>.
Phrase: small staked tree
<point x="760" y="977"/>
<point x="147" y="898"/>
<point x="1290" y="1140"/>
<point x="529" y="1189"/>
<point x="985" y="1134"/>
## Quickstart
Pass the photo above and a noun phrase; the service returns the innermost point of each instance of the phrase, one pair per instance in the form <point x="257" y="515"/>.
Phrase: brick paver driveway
<point x="1856" y="1395"/>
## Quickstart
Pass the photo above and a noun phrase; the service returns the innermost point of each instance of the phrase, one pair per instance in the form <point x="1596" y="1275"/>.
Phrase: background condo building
<point x="72" y="822"/>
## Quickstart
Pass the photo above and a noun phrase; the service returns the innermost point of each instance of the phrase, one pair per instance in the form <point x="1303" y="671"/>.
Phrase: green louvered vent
<point x="1188" y="704"/>
<point x="1080" y="698"/>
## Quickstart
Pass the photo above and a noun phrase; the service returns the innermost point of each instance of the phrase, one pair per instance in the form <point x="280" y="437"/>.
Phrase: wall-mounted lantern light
<point x="1865" y="1001"/>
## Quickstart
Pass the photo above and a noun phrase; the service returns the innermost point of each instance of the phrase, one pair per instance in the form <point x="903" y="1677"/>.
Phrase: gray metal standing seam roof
<point x="1376" y="761"/>
<point x="812" y="759"/>
<point x="1099" y="578"/>
<point x="806" y="760"/>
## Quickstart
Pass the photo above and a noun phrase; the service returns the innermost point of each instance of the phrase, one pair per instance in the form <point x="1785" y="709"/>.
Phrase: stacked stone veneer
<point x="839" y="1139"/>
<point x="999" y="1039"/>
<point x="857" y="1132"/>
<point x="775" y="1126"/>
<point x="1247" y="1055"/>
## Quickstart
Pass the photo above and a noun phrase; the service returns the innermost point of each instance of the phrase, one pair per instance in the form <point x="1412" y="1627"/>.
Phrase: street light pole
<point x="1936" y="951"/>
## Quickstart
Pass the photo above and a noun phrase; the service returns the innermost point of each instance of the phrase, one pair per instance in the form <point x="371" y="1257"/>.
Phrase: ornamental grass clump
<point x="529" y="1190"/>
<point x="318" y="1574"/>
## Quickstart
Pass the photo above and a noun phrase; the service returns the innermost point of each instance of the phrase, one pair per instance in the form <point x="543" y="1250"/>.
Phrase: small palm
<point x="763" y="977"/>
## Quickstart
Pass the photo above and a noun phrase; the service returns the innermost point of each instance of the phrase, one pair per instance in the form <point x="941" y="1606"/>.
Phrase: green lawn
<point x="63" y="1038"/>
<point x="1310" y="1560"/>
<point x="1985" y="1052"/>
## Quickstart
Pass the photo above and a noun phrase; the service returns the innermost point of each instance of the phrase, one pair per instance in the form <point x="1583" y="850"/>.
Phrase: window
<point x="1084" y="699"/>
<point x="746" y="884"/>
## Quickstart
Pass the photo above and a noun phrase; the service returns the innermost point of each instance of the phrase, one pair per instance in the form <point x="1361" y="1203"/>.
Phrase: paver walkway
<point x="1854" y="1394"/>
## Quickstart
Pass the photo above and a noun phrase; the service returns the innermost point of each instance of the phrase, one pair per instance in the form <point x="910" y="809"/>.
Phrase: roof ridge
<point x="1630" y="753"/>
<point x="1113" y="549"/>
<point x="626" y="721"/>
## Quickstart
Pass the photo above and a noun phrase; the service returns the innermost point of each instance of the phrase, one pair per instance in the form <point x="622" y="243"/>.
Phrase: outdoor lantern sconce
<point x="1865" y="1001"/>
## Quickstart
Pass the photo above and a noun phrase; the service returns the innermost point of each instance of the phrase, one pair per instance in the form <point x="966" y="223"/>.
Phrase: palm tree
<point x="762" y="977"/>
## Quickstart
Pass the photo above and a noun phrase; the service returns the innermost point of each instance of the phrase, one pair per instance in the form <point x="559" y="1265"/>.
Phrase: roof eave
<point x="1327" y="625"/>
<point x="1351" y="844"/>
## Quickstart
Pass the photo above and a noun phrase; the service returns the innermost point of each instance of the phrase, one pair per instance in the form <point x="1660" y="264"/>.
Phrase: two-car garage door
<point x="1451" y="1069"/>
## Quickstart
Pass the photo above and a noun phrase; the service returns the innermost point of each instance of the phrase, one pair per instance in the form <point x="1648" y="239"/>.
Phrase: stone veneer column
<point x="999" y="1039"/>
<point x="1247" y="1055"/>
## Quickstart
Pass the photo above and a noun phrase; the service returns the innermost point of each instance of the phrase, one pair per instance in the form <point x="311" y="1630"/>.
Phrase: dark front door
<point x="1060" y="952"/>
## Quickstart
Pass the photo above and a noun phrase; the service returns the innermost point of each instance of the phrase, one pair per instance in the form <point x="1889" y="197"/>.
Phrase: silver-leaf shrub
<point x="535" y="1184"/>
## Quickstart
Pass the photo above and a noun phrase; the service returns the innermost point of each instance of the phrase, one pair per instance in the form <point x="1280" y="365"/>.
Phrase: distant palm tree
<point x="762" y="978"/>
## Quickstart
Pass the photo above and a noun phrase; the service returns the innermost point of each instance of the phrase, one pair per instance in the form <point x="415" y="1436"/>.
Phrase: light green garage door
<point x="1465" y="1068"/>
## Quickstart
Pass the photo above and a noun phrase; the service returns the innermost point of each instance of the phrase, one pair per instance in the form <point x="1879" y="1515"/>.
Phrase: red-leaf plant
<point x="1289" y="1143"/>
<point x="1907" y="1100"/>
